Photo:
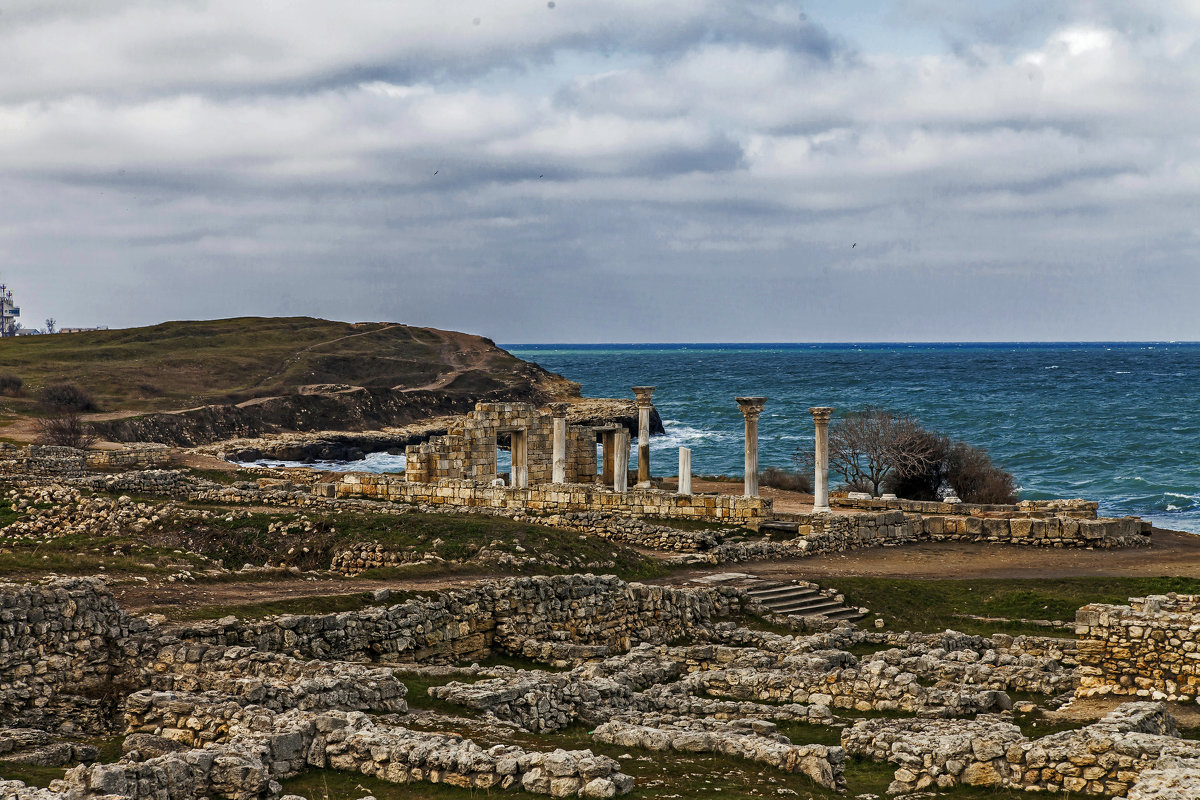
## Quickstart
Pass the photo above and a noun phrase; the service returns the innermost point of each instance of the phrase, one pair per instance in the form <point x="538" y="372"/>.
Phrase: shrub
<point x="66" y="396"/>
<point x="789" y="480"/>
<point x="65" y="430"/>
<point x="965" y="468"/>
<point x="975" y="478"/>
<point x="10" y="384"/>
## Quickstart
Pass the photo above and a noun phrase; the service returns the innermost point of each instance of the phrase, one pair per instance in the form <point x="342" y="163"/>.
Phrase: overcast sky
<point x="608" y="170"/>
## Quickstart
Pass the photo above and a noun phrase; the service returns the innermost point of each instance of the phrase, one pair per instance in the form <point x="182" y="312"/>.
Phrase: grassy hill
<point x="178" y="365"/>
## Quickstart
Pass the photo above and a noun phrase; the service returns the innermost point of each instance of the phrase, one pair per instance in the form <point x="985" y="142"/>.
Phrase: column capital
<point x="821" y="414"/>
<point x="751" y="407"/>
<point x="558" y="409"/>
<point x="643" y="394"/>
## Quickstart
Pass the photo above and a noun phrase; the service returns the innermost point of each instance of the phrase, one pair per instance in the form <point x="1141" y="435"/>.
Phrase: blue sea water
<point x="1118" y="423"/>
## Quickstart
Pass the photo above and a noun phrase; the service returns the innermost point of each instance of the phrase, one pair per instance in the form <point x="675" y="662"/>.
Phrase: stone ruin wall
<point x="468" y="450"/>
<point x="1079" y="509"/>
<point x="496" y="616"/>
<point x="39" y="459"/>
<point x="1149" y="648"/>
<point x="65" y="650"/>
<point x="554" y="498"/>
<point x="1105" y="758"/>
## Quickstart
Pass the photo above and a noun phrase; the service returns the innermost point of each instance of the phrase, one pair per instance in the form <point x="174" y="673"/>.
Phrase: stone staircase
<point x="803" y="599"/>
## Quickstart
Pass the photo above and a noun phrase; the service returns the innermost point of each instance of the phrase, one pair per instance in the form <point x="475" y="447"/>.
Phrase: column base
<point x="822" y="510"/>
<point x="643" y="485"/>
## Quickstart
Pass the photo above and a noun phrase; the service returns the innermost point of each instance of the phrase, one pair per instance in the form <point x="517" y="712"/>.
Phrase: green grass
<point x="323" y="604"/>
<point x="32" y="775"/>
<point x="935" y="605"/>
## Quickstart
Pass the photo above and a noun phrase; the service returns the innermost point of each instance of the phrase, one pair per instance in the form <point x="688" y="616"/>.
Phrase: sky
<point x="608" y="170"/>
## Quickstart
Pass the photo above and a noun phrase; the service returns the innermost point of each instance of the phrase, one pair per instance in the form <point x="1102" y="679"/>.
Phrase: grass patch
<point x="323" y="604"/>
<point x="935" y="605"/>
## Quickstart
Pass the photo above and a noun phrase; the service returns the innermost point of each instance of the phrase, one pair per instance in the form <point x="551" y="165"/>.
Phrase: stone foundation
<point x="1105" y="758"/>
<point x="555" y="498"/>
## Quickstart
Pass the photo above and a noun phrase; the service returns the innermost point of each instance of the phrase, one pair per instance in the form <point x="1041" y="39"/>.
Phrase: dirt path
<point x="169" y="597"/>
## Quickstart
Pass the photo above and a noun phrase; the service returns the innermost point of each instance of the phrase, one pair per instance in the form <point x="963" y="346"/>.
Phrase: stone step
<point x="820" y="606"/>
<point x="801" y="598"/>
<point x="764" y="595"/>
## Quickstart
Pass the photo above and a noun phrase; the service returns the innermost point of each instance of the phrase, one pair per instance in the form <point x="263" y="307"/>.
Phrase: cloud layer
<point x="611" y="170"/>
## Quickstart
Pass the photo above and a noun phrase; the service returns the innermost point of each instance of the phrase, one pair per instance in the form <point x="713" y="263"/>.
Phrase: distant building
<point x="83" y="330"/>
<point x="8" y="313"/>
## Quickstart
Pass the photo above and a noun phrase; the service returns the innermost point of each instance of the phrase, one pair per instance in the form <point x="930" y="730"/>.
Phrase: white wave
<point x="1183" y="496"/>
<point x="1124" y="372"/>
<point x="373" y="462"/>
<point x="1173" y="507"/>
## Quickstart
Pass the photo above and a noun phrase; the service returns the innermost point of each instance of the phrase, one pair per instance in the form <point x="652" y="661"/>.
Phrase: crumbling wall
<point x="555" y="498"/>
<point x="1149" y="648"/>
<point x="491" y="616"/>
<point x="65" y="650"/>
<point x="468" y="449"/>
<point x="1104" y="758"/>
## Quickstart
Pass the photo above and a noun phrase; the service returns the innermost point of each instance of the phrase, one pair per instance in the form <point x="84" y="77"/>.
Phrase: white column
<point x="685" y="470"/>
<point x="621" y="461"/>
<point x="519" y="446"/>
<point x="643" y="394"/>
<point x="751" y="407"/>
<point x="821" y="416"/>
<point x="559" y="463"/>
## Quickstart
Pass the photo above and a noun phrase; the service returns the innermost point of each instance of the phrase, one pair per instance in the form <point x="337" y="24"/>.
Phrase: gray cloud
<point x="606" y="170"/>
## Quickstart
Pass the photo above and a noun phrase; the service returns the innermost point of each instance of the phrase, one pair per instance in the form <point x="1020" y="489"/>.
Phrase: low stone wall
<point x="492" y="616"/>
<point x="1003" y="663"/>
<point x="873" y="686"/>
<point x="555" y="498"/>
<point x="1104" y="758"/>
<point x="276" y="681"/>
<point x="267" y="746"/>
<point x="1054" y="531"/>
<point x="1149" y="648"/>
<point x="136" y="456"/>
<point x="37" y="459"/>
<point x="64" y="654"/>
<point x="1078" y="509"/>
<point x="752" y="740"/>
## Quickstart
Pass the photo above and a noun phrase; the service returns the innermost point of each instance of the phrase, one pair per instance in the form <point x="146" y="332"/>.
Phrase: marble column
<point x="643" y="394"/>
<point x="621" y="460"/>
<point x="519" y="448"/>
<point x="821" y="416"/>
<point x="608" y="447"/>
<point x="685" y="470"/>
<point x="751" y="408"/>
<point x="559" y="443"/>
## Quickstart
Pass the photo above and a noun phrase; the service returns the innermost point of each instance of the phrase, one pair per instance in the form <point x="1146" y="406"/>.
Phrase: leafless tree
<point x="65" y="429"/>
<point x="51" y="325"/>
<point x="868" y="446"/>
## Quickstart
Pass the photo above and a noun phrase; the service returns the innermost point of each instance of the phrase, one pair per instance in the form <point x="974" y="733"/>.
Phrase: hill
<point x="247" y="375"/>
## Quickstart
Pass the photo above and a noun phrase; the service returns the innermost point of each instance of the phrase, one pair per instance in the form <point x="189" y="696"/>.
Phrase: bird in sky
<point x="854" y="245"/>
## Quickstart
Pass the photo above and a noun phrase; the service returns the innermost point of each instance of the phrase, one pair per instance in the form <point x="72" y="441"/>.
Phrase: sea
<point x="1114" y="422"/>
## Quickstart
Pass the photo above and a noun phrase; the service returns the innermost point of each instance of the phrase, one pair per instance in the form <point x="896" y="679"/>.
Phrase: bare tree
<point x="51" y="325"/>
<point x="65" y="429"/>
<point x="868" y="446"/>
